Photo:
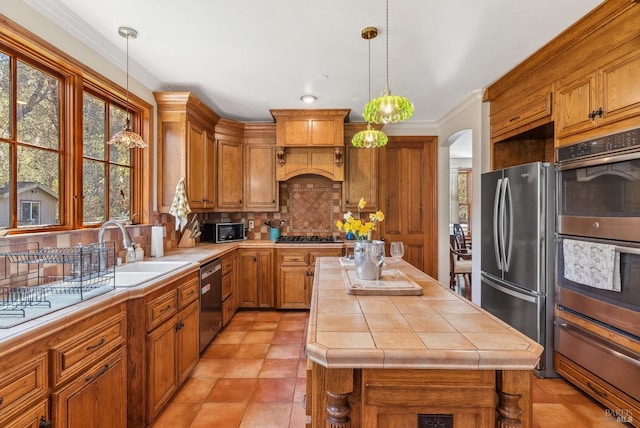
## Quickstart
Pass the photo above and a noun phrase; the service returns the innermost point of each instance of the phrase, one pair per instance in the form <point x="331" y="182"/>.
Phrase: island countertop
<point x="437" y="330"/>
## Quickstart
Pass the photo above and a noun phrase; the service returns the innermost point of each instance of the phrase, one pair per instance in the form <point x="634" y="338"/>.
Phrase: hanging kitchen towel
<point x="180" y="206"/>
<point x="591" y="264"/>
<point x="604" y="267"/>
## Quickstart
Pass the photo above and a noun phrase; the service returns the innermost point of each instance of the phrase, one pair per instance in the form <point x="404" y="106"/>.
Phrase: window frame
<point x="75" y="79"/>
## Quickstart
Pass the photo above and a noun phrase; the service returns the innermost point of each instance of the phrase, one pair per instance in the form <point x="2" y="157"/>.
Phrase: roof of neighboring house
<point x="24" y="186"/>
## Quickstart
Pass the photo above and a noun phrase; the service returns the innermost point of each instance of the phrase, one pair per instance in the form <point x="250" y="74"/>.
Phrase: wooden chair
<point x="461" y="238"/>
<point x="459" y="264"/>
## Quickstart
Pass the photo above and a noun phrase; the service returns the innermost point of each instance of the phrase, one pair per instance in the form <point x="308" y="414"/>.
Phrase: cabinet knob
<point x="43" y="423"/>
<point x="240" y="201"/>
<point x="273" y="201"/>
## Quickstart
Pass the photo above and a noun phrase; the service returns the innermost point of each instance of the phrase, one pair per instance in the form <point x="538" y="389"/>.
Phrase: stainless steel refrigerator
<point x="517" y="252"/>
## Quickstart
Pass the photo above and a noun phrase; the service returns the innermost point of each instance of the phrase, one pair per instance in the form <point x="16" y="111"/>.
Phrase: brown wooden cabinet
<point x="35" y="416"/>
<point x="260" y="185"/>
<point x="229" y="287"/>
<point x="229" y="137"/>
<point x="23" y="388"/>
<point x="605" y="95"/>
<point x="360" y="173"/>
<point x="295" y="273"/>
<point x="328" y="162"/>
<point x="185" y="149"/>
<point x="521" y="114"/>
<point x="255" y="278"/>
<point x="310" y="127"/>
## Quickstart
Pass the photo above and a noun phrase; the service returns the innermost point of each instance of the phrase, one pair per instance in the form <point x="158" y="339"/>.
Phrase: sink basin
<point x="133" y="274"/>
<point x="150" y="266"/>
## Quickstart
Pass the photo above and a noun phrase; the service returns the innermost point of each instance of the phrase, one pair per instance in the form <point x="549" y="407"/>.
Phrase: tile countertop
<point x="438" y="330"/>
<point x="50" y="323"/>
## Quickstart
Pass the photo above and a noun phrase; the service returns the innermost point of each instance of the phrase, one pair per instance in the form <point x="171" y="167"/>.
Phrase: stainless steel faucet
<point x="126" y="238"/>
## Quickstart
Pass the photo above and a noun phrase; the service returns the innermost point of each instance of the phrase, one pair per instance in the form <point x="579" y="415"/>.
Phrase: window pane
<point x="93" y="127"/>
<point x="94" y="191"/>
<point x="5" y="194"/>
<point x="120" y="188"/>
<point x="38" y="180"/>
<point x="29" y="213"/>
<point x="117" y="122"/>
<point x="5" y="96"/>
<point x="462" y="188"/>
<point x="38" y="107"/>
<point x="463" y="214"/>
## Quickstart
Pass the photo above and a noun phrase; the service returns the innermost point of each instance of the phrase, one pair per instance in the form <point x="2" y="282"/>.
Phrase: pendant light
<point x="369" y="137"/>
<point x="388" y="108"/>
<point x="127" y="138"/>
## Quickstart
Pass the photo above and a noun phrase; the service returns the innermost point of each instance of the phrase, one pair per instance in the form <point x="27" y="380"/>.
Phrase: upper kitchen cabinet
<point x="229" y="137"/>
<point x="509" y="117"/>
<point x="186" y="127"/>
<point x="260" y="185"/>
<point x="604" y="95"/>
<point x="295" y="128"/>
<point x="361" y="172"/>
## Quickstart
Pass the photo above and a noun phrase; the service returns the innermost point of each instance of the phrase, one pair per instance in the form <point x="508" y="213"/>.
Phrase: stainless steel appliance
<point x="210" y="301"/>
<point x="222" y="232"/>
<point x="599" y="203"/>
<point x="298" y="239"/>
<point x="517" y="252"/>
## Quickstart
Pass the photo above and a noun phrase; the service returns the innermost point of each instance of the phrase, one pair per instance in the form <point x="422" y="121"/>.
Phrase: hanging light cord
<point x="387" y="45"/>
<point x="127" y="105"/>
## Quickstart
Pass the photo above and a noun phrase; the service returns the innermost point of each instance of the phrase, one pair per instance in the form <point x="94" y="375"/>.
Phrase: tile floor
<point x="253" y="375"/>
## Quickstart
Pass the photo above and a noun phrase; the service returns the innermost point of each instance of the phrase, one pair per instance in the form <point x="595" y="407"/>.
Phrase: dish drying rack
<point x="35" y="281"/>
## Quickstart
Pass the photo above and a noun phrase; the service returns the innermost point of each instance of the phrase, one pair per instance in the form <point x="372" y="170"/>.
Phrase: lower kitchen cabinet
<point x="23" y="388"/>
<point x="229" y="287"/>
<point x="96" y="399"/>
<point x="36" y="416"/>
<point x="294" y="278"/>
<point x="255" y="278"/>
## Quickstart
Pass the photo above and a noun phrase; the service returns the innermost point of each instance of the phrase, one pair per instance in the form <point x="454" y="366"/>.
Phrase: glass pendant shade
<point x="369" y="138"/>
<point x="388" y="108"/>
<point x="127" y="138"/>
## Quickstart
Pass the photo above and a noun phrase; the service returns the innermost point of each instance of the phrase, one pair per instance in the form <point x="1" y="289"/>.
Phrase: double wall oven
<point x="598" y="234"/>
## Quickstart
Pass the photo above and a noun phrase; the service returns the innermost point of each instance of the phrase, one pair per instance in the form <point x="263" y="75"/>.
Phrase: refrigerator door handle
<point x="501" y="227"/>
<point x="510" y="292"/>
<point x="508" y="240"/>
<point x="496" y="225"/>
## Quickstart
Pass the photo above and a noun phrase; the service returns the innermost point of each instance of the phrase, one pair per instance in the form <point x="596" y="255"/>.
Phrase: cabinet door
<point x="360" y="179"/>
<point x="323" y="132"/>
<point x="621" y="88"/>
<point x="292" y="287"/>
<point x="97" y="400"/>
<point x="575" y="100"/>
<point x="266" y="289"/>
<point x="188" y="341"/>
<point x="30" y="418"/>
<point x="229" y="173"/>
<point x="161" y="360"/>
<point x="195" y="184"/>
<point x="295" y="132"/>
<point x="260" y="185"/>
<point x="209" y="172"/>
<point x="248" y="279"/>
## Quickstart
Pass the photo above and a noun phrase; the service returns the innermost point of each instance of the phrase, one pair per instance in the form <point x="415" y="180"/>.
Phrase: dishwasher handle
<point x="210" y="269"/>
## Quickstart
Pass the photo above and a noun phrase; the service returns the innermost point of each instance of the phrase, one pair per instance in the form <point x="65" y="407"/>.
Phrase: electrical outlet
<point x="250" y="224"/>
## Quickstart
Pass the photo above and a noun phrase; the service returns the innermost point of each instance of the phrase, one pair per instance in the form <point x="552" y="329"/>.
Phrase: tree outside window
<point x="464" y="198"/>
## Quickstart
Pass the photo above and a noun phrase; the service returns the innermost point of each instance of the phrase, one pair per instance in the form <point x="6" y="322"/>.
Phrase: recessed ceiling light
<point x="308" y="98"/>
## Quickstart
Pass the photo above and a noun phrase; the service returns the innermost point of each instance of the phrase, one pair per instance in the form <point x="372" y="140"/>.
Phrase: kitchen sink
<point x="134" y="274"/>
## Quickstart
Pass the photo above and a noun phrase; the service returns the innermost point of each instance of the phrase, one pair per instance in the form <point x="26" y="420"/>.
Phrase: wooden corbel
<point x="280" y="157"/>
<point x="337" y="156"/>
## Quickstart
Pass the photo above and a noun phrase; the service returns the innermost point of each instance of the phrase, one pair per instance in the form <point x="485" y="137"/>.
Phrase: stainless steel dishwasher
<point x="210" y="301"/>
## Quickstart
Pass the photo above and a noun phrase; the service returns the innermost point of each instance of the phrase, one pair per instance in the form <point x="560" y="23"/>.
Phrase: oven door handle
<point x="496" y="224"/>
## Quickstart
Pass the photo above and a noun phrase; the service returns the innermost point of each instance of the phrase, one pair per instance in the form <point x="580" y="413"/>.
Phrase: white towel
<point x="592" y="264"/>
<point x="180" y="206"/>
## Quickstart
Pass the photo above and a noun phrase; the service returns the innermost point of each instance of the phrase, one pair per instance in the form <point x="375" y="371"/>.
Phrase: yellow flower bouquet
<point x="360" y="229"/>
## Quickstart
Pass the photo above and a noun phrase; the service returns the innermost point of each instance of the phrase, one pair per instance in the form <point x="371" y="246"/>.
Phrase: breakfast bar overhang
<point x="401" y="361"/>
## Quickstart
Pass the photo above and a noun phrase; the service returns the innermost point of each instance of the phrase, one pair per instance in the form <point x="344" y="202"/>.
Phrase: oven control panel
<point x="601" y="145"/>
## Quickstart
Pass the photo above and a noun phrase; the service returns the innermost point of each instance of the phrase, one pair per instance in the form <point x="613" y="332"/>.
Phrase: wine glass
<point x="396" y="249"/>
<point x="376" y="253"/>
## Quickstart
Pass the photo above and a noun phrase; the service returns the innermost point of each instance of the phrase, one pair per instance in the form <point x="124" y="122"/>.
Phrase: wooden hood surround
<point x="310" y="142"/>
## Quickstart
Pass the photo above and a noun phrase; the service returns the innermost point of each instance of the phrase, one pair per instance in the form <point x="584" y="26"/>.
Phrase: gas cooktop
<point x="289" y="239"/>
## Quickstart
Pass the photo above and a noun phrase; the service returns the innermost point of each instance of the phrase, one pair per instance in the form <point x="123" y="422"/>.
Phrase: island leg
<point x="515" y="406"/>
<point x="338" y="384"/>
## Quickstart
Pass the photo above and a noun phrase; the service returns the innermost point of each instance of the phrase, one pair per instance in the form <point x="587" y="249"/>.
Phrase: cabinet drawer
<point x="21" y="385"/>
<point x="188" y="292"/>
<point x="82" y="350"/>
<point x="227" y="265"/>
<point x="228" y="309"/>
<point x="337" y="252"/>
<point x="535" y="107"/>
<point x="227" y="286"/>
<point x="296" y="259"/>
<point x="161" y="308"/>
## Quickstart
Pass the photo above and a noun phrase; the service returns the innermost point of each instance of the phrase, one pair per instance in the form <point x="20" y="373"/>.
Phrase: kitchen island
<point x="401" y="361"/>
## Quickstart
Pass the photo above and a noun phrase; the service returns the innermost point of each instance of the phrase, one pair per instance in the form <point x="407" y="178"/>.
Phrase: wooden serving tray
<point x="388" y="285"/>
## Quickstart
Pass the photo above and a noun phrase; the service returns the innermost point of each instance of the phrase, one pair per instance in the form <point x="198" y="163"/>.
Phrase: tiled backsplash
<point x="309" y="205"/>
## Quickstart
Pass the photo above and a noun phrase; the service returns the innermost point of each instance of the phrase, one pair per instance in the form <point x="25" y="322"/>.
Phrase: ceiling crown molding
<point x="64" y="18"/>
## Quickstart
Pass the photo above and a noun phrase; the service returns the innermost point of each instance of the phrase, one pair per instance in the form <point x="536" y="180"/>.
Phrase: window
<point x="106" y="169"/>
<point x="56" y="170"/>
<point x="464" y="198"/>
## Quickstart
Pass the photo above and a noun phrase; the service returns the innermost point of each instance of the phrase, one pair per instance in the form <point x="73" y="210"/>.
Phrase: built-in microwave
<point x="222" y="232"/>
